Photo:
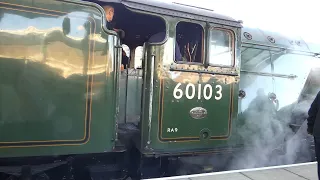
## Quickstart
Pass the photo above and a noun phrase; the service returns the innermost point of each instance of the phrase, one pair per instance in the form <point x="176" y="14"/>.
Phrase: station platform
<point x="304" y="171"/>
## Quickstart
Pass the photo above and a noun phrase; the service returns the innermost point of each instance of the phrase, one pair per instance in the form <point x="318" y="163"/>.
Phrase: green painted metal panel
<point x="167" y="126"/>
<point x="57" y="80"/>
<point x="130" y="105"/>
<point x="218" y="110"/>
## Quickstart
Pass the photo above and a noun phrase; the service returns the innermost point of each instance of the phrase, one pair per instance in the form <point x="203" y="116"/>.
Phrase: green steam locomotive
<point x="69" y="111"/>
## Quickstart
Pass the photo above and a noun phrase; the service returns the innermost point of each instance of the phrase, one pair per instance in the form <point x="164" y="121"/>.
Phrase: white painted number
<point x="205" y="93"/>
<point x="193" y="89"/>
<point x="199" y="92"/>
<point x="190" y="91"/>
<point x="177" y="90"/>
<point x="218" y="92"/>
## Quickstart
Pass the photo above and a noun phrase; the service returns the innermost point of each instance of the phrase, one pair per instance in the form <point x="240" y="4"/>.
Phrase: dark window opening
<point x="137" y="27"/>
<point x="190" y="40"/>
<point x="125" y="55"/>
<point x="134" y="29"/>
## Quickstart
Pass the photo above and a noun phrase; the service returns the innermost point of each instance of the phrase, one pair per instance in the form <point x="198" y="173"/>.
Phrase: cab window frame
<point x="104" y="22"/>
<point x="135" y="57"/>
<point x="166" y="25"/>
<point x="203" y="50"/>
<point x="232" y="35"/>
<point x="163" y="18"/>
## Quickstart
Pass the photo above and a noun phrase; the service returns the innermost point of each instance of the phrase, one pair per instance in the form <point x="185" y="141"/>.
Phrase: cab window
<point x="126" y="50"/>
<point x="125" y="56"/>
<point x="221" y="47"/>
<point x="138" y="57"/>
<point x="189" y="37"/>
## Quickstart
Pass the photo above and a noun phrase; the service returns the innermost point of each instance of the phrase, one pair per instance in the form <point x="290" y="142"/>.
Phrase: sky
<point x="293" y="17"/>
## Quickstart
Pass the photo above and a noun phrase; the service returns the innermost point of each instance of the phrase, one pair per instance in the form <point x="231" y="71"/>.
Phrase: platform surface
<point x="305" y="171"/>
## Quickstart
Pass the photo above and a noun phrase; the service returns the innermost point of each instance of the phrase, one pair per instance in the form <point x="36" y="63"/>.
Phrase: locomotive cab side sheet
<point x="57" y="79"/>
<point x="190" y="98"/>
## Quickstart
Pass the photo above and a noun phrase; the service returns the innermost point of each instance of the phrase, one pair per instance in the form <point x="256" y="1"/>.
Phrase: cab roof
<point x="179" y="10"/>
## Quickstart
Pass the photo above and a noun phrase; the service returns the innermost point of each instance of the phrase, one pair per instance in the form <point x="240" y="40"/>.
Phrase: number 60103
<point x="190" y="91"/>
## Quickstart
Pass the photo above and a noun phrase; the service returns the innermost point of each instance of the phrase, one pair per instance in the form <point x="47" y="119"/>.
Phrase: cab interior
<point x="138" y="28"/>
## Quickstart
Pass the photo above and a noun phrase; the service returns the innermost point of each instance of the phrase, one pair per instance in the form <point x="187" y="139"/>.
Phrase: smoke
<point x="272" y="137"/>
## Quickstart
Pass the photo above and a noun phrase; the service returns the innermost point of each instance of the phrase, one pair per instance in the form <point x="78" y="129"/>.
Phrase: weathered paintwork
<point x="79" y="80"/>
<point x="62" y="93"/>
<point x="166" y="122"/>
<point x="58" y="80"/>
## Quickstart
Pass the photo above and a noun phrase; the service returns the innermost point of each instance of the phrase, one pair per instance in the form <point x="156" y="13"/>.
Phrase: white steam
<point x="268" y="138"/>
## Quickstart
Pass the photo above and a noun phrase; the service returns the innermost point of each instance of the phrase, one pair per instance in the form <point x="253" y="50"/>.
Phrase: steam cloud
<point x="273" y="137"/>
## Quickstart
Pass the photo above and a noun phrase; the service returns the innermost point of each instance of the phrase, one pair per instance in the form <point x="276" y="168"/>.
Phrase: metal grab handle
<point x="151" y="95"/>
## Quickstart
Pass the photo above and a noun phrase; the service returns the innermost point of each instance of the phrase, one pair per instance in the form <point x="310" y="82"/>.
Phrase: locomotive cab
<point x="179" y="92"/>
<point x="106" y="97"/>
<point x="189" y="104"/>
<point x="140" y="93"/>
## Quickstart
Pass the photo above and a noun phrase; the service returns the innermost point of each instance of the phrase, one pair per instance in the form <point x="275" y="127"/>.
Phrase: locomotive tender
<point x="68" y="111"/>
